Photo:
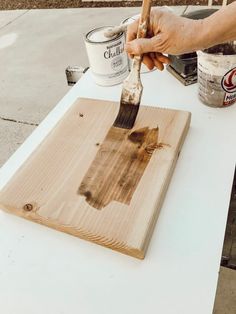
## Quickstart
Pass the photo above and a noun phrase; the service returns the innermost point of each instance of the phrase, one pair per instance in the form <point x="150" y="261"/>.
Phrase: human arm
<point x="169" y="33"/>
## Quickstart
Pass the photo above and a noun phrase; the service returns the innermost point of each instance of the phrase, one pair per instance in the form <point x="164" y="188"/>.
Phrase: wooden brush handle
<point x="144" y="19"/>
<point x="142" y="32"/>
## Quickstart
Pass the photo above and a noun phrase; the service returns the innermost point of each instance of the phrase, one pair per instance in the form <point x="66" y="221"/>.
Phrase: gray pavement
<point x="12" y="135"/>
<point x="7" y="17"/>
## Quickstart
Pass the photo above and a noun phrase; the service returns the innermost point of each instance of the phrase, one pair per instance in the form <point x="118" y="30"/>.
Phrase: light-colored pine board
<point x="97" y="182"/>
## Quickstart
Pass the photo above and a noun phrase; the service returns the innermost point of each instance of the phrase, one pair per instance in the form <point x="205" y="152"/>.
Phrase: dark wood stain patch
<point x="118" y="166"/>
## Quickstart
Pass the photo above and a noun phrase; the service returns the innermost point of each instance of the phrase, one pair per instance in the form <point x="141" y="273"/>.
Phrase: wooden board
<point x="97" y="182"/>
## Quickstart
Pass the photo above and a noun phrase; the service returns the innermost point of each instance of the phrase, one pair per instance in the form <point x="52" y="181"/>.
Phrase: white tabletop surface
<point x="45" y="271"/>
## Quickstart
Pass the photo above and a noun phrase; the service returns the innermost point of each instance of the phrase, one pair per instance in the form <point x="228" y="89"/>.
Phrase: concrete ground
<point x="35" y="48"/>
<point x="225" y="301"/>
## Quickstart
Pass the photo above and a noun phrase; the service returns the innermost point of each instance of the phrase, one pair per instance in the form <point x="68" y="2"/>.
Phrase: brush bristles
<point x="126" y="116"/>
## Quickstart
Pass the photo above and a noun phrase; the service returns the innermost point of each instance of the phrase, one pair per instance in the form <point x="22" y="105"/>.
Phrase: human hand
<point x="167" y="33"/>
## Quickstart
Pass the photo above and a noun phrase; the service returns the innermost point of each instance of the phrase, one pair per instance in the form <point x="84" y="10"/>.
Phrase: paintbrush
<point x="132" y="86"/>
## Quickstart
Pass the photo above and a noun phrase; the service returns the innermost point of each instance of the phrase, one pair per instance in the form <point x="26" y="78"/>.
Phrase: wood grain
<point x="118" y="166"/>
<point x="47" y="188"/>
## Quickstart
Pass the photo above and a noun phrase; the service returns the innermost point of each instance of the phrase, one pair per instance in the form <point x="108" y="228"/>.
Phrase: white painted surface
<point x="45" y="271"/>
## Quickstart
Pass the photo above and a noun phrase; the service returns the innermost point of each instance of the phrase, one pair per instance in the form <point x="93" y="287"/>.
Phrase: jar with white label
<point x="107" y="58"/>
<point x="217" y="75"/>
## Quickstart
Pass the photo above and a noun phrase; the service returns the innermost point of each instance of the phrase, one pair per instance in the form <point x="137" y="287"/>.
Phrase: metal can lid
<point x="131" y="19"/>
<point x="75" y="68"/>
<point x="97" y="35"/>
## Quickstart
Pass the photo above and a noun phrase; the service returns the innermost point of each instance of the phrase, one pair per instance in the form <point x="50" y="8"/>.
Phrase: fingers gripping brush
<point x="132" y="86"/>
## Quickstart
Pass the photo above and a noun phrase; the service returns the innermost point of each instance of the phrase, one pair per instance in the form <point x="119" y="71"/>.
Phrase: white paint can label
<point x="107" y="58"/>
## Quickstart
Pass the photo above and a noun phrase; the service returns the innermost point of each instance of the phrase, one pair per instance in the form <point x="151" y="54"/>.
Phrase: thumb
<point x="142" y="45"/>
<point x="139" y="46"/>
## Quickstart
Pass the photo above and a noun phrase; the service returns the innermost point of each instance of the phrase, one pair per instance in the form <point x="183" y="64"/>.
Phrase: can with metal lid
<point x="74" y="73"/>
<point x="107" y="58"/>
<point x="217" y="75"/>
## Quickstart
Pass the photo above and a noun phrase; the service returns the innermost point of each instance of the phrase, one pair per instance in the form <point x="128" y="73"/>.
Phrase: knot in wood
<point x="28" y="207"/>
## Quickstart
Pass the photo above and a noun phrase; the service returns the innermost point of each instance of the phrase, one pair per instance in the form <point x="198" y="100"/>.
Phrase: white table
<point x="45" y="271"/>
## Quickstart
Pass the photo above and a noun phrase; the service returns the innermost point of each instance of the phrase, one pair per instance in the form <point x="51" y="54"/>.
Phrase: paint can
<point x="107" y="58"/>
<point x="74" y="73"/>
<point x="144" y="68"/>
<point x="217" y="75"/>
